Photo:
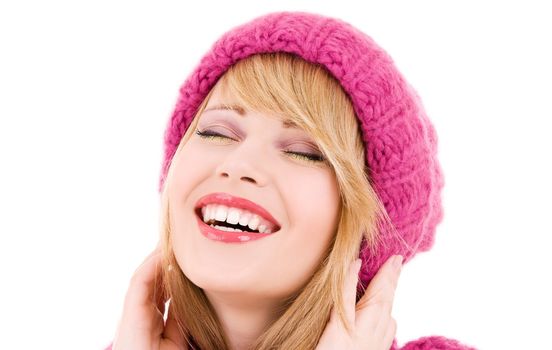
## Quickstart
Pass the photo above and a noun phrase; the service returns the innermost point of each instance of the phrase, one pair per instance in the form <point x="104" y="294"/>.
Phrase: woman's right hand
<point x="141" y="326"/>
<point x="373" y="327"/>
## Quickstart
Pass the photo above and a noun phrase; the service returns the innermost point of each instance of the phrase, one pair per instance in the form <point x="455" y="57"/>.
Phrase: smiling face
<point x="259" y="158"/>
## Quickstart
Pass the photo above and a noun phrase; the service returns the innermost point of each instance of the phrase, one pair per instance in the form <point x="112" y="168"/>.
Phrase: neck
<point x="243" y="319"/>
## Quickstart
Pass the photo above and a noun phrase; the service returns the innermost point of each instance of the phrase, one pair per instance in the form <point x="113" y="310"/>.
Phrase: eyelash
<point x="315" y="158"/>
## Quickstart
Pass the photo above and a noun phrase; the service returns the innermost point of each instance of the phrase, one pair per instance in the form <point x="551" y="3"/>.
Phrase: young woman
<point x="300" y="169"/>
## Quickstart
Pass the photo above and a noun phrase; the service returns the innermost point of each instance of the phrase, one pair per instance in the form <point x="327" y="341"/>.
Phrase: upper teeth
<point x="234" y="216"/>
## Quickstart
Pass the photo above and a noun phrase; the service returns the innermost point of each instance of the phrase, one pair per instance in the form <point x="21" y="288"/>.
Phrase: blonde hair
<point x="309" y="96"/>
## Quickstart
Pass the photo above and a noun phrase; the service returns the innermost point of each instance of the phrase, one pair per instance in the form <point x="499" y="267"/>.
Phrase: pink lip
<point x="236" y="202"/>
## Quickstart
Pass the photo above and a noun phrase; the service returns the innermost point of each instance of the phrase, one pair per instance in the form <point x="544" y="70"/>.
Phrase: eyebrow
<point x="234" y="107"/>
<point x="242" y="112"/>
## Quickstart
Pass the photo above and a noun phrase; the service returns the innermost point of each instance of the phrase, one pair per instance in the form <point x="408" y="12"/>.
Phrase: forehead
<point x="222" y="98"/>
<point x="242" y="112"/>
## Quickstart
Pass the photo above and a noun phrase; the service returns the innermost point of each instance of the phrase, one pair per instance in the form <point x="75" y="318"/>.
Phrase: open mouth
<point x="228" y="218"/>
<point x="234" y="220"/>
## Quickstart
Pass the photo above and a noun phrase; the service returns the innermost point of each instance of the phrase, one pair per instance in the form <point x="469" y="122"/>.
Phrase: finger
<point x="153" y="252"/>
<point x="379" y="296"/>
<point x="142" y="284"/>
<point x="349" y="298"/>
<point x="389" y="333"/>
<point x="382" y="287"/>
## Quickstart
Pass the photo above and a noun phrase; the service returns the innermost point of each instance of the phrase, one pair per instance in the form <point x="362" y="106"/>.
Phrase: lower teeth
<point x="224" y="228"/>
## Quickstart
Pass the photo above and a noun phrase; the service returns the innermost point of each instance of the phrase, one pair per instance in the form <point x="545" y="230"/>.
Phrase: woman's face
<point x="255" y="159"/>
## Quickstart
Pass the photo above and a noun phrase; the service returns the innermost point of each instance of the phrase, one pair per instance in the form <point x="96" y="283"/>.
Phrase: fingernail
<point x="397" y="263"/>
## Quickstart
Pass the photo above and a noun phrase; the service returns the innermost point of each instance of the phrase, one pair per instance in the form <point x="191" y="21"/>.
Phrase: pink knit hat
<point x="400" y="141"/>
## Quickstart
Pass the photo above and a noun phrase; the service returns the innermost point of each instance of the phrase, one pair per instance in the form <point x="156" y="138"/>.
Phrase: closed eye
<point x="306" y="156"/>
<point x="210" y="135"/>
<point x="309" y="157"/>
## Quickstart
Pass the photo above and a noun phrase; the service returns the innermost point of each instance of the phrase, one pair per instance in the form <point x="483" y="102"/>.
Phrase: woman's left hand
<point x="372" y="325"/>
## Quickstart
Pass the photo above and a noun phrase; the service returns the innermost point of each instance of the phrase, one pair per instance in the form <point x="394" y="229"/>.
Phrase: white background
<point x="87" y="87"/>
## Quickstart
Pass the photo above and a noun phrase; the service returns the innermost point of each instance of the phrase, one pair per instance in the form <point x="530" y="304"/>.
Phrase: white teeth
<point x="212" y="210"/>
<point x="254" y="222"/>
<point x="244" y="218"/>
<point x="221" y="213"/>
<point x="224" y="228"/>
<point x="233" y="216"/>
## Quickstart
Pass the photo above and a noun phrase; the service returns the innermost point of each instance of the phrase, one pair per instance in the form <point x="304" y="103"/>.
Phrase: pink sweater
<point x="424" y="343"/>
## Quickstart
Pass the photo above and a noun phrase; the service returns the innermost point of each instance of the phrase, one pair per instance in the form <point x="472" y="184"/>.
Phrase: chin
<point x="224" y="285"/>
<point x="221" y="277"/>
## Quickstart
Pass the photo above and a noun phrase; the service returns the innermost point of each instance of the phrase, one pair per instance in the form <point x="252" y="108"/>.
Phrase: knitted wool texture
<point x="400" y="141"/>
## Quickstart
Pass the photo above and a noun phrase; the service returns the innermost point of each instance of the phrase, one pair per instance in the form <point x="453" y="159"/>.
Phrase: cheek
<point x="187" y="172"/>
<point x="313" y="207"/>
<point x="190" y="169"/>
<point x="314" y="204"/>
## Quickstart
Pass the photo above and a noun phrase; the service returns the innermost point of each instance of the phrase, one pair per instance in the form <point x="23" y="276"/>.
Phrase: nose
<point x="245" y="163"/>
